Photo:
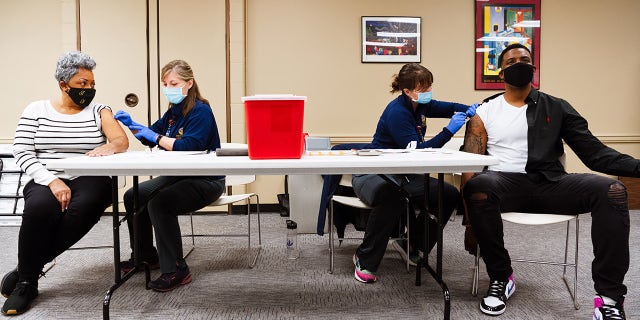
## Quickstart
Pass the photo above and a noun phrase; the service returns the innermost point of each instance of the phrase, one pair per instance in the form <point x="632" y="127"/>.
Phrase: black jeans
<point x="46" y="231"/>
<point x="489" y="193"/>
<point x="389" y="204"/>
<point x="162" y="199"/>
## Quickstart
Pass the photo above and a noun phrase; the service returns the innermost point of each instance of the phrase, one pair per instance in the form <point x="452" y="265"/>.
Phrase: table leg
<point x="436" y="274"/>
<point x="116" y="228"/>
<point x="121" y="279"/>
<point x="115" y="215"/>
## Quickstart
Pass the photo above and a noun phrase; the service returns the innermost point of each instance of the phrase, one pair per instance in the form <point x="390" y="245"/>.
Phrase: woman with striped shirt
<point x="59" y="209"/>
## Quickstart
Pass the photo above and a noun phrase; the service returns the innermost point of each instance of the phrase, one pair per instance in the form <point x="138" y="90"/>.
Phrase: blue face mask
<point x="423" y="97"/>
<point x="174" y="95"/>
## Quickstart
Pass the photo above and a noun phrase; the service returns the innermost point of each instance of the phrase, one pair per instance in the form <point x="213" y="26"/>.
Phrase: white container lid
<point x="259" y="97"/>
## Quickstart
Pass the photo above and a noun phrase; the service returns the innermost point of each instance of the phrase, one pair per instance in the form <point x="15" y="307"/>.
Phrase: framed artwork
<point x="391" y="39"/>
<point x="500" y="23"/>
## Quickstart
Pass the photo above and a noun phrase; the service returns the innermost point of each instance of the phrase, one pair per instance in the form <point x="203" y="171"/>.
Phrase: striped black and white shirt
<point x="44" y="134"/>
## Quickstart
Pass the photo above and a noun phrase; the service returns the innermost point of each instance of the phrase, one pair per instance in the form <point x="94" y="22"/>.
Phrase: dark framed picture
<point x="391" y="39"/>
<point x="500" y="23"/>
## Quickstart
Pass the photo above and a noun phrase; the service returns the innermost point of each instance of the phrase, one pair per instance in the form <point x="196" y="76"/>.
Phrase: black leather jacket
<point x="552" y="120"/>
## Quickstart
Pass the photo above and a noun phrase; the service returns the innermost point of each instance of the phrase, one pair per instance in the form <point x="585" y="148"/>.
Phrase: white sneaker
<point x="605" y="308"/>
<point x="494" y="303"/>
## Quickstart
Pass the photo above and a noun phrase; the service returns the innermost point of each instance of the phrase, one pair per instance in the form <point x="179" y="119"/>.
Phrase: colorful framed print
<point x="498" y="24"/>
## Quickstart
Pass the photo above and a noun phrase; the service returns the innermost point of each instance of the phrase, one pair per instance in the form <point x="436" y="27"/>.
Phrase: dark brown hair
<point x="411" y="76"/>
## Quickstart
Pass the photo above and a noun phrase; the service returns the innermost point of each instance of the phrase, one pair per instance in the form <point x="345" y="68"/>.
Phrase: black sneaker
<point x="169" y="281"/>
<point x="495" y="302"/>
<point x="606" y="308"/>
<point x="9" y="282"/>
<point x="126" y="266"/>
<point x="20" y="299"/>
<point x="150" y="257"/>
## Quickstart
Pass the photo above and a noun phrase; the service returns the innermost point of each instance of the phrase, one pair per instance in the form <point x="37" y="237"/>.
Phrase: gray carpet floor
<point x="224" y="288"/>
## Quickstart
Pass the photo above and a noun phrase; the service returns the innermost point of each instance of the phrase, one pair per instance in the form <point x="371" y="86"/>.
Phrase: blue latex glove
<point x="472" y="110"/>
<point x="457" y="121"/>
<point x="144" y="133"/>
<point x="125" y="118"/>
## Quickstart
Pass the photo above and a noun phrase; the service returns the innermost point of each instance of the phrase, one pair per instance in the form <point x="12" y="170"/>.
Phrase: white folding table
<point x="176" y="163"/>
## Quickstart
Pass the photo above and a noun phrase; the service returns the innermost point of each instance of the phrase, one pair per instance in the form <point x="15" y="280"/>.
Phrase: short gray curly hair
<point x="70" y="62"/>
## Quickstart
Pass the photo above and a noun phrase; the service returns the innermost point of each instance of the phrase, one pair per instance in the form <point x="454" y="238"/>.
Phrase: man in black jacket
<point x="525" y="129"/>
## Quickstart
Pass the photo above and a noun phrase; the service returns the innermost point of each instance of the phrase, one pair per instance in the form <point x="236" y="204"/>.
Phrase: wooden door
<point x="114" y="34"/>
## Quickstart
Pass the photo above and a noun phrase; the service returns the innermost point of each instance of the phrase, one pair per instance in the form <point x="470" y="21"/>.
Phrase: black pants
<point x="162" y="199"/>
<point x="46" y="231"/>
<point x="489" y="193"/>
<point x="389" y="204"/>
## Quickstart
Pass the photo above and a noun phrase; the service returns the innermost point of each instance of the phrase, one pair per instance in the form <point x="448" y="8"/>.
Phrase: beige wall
<point x="30" y="47"/>
<point x="313" y="49"/>
<point x="589" y="55"/>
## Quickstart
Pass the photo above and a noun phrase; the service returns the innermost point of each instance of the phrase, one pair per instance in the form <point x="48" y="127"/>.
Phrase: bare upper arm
<point x="112" y="129"/>
<point x="475" y="141"/>
<point x="475" y="137"/>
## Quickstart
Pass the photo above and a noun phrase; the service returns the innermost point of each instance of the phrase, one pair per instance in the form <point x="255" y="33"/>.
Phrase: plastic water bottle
<point x="292" y="240"/>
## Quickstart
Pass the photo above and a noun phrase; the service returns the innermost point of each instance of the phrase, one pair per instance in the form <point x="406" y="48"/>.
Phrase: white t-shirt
<point x="506" y="127"/>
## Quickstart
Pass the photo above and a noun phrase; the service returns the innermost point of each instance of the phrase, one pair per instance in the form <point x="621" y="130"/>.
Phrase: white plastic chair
<point x="542" y="219"/>
<point x="356" y="203"/>
<point x="229" y="199"/>
<point x="534" y="219"/>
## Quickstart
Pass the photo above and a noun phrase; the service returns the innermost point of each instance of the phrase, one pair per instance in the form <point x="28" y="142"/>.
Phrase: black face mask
<point x="519" y="74"/>
<point x="81" y="96"/>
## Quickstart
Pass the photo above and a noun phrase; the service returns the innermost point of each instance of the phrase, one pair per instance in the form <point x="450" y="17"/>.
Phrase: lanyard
<point x="168" y="133"/>
<point x="419" y="130"/>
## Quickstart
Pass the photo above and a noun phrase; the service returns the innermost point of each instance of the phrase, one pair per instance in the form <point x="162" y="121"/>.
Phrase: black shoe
<point x="20" y="299"/>
<point x="126" y="266"/>
<point x="151" y="259"/>
<point x="9" y="282"/>
<point x="169" y="281"/>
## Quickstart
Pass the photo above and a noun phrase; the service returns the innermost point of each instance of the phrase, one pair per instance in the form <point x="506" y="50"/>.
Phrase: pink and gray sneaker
<point x="362" y="274"/>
